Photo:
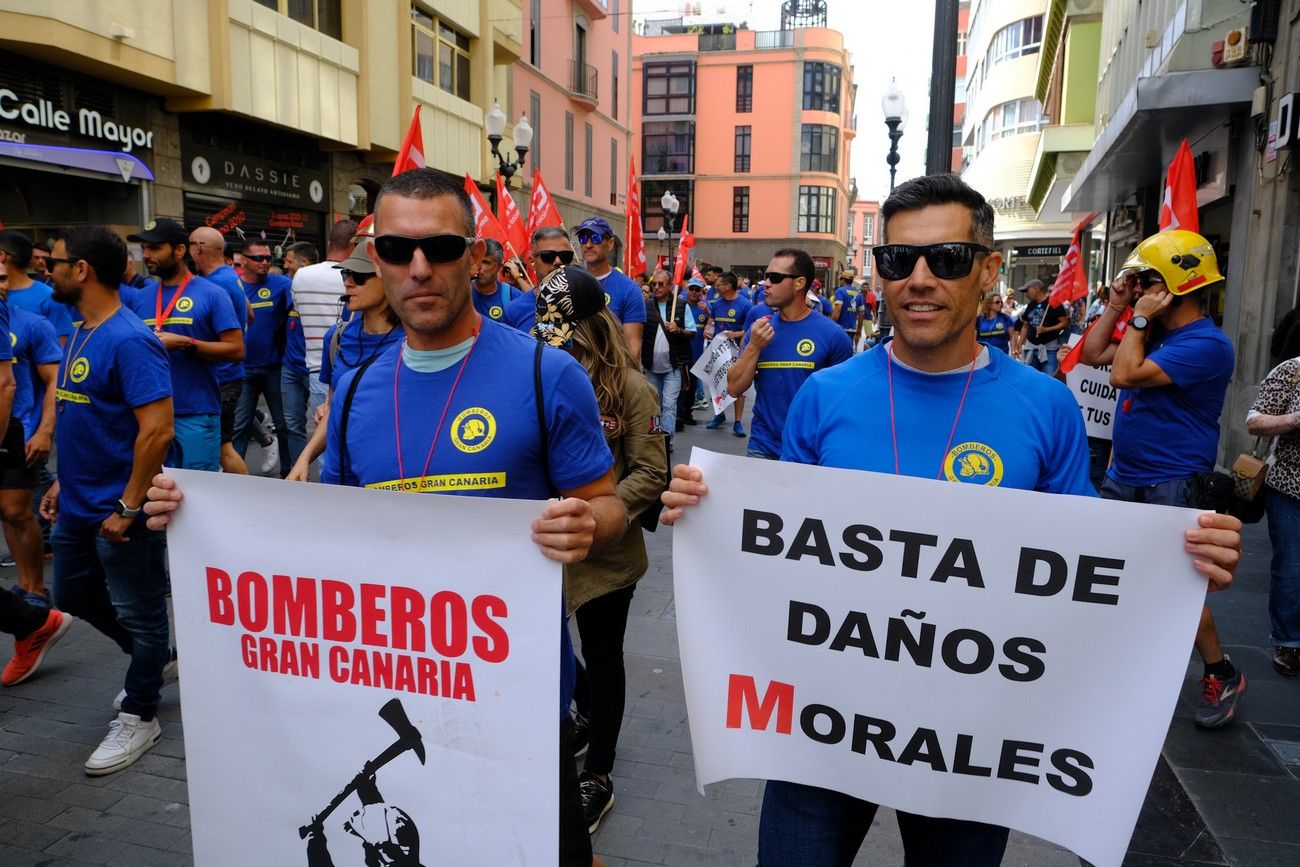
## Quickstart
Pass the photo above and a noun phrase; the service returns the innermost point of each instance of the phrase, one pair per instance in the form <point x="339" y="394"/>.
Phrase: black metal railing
<point x="774" y="39"/>
<point x="582" y="79"/>
<point x="717" y="42"/>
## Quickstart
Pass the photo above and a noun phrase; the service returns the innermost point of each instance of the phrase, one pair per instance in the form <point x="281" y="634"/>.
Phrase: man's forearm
<point x="1097" y="339"/>
<point x="151" y="446"/>
<point x="611" y="520"/>
<point x="741" y="373"/>
<point x="218" y="350"/>
<point x="1129" y="356"/>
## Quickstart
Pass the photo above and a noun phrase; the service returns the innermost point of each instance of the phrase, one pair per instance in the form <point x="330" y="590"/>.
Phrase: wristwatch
<point x="125" y="511"/>
<point x="1139" y="323"/>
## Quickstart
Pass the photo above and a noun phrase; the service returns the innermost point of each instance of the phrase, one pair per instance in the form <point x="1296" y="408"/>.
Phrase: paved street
<point x="1218" y="798"/>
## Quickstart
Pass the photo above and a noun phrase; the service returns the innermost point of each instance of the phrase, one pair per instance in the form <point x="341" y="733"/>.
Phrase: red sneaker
<point x="29" y="652"/>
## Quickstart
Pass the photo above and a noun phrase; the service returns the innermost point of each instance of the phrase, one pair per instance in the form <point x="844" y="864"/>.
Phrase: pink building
<point x="864" y="233"/>
<point x="572" y="81"/>
<point x="751" y="131"/>
<point x="959" y="97"/>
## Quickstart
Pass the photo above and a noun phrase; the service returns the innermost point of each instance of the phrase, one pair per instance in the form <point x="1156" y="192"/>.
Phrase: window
<point x="586" y="161"/>
<point x="961" y="42"/>
<point x="819" y="149"/>
<point x="743" y="146"/>
<point x="956" y="135"/>
<point x="535" y="118"/>
<point x="668" y="147"/>
<point x="322" y="15"/>
<point x="868" y="229"/>
<point x="652" y="212"/>
<point x="568" y="150"/>
<point x="613" y="65"/>
<point x="441" y="54"/>
<point x="959" y="94"/>
<point x="745" y="88"/>
<point x="1007" y="119"/>
<point x="740" y="209"/>
<point x="821" y="87"/>
<point x="817" y="210"/>
<point x="669" y="88"/>
<point x="535" y="32"/>
<point x="1016" y="40"/>
<point x="613" y="12"/>
<point x="613" y="171"/>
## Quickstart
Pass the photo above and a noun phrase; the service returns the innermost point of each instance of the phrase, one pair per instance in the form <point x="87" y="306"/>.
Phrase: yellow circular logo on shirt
<point x="263" y="293"/>
<point x="473" y="430"/>
<point x="805" y="347"/>
<point x="607" y="299"/>
<point x="973" y="463"/>
<point x="185" y="305"/>
<point x="494" y="312"/>
<point x="13" y="339"/>
<point x="80" y="370"/>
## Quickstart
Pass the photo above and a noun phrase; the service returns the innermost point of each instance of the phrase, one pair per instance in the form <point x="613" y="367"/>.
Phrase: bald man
<point x="208" y="249"/>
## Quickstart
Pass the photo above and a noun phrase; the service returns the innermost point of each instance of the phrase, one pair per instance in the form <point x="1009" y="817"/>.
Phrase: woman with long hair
<point x="571" y="315"/>
<point x="372" y="330"/>
<point x="993" y="326"/>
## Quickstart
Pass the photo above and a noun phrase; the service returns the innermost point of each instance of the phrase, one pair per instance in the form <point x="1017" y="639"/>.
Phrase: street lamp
<point x="495" y="123"/>
<point x="670" y="204"/>
<point x="895" y="110"/>
<point x="663" y="241"/>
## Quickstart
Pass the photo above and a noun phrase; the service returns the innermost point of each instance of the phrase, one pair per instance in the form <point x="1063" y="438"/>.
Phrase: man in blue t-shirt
<point x="453" y="357"/>
<point x="783" y="349"/>
<point x="17" y="253"/>
<point x="270" y="299"/>
<point x="491" y="295"/>
<point x="846" y="306"/>
<point x="195" y="322"/>
<point x="623" y="297"/>
<point x="728" y="314"/>
<point x="1173" y="365"/>
<point x="207" y="250"/>
<point x="949" y="404"/>
<point x="115" y="421"/>
<point x="550" y="250"/>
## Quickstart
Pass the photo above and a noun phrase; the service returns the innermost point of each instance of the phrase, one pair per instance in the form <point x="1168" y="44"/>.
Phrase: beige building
<point x="248" y="115"/>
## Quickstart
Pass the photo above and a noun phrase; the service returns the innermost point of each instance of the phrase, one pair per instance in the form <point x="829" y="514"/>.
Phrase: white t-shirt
<point x="316" y="291"/>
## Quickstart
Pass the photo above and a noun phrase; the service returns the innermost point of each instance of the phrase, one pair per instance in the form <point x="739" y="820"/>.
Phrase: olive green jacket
<point x="641" y="471"/>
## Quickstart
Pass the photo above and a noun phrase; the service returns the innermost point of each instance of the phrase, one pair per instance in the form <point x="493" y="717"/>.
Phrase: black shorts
<point x="230" y="393"/>
<point x="14" y="472"/>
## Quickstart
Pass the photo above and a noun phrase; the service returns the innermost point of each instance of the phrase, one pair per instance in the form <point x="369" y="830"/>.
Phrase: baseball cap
<point x="161" y="231"/>
<point x="696" y="281"/>
<point x="566" y="296"/>
<point x="359" y="260"/>
<point x="846" y="275"/>
<point x="595" y="224"/>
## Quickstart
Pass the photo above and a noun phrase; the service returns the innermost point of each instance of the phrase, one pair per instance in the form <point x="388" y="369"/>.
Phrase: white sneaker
<point x="171" y="674"/>
<point x="270" y="457"/>
<point x="128" y="739"/>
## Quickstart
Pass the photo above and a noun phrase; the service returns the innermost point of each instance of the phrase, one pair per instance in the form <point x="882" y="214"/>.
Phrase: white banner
<point x="886" y="637"/>
<point x="1095" y="396"/>
<point x="711" y="369"/>
<point x="358" y="665"/>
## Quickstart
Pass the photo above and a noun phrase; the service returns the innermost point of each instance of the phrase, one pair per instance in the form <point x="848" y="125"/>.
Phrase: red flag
<point x="411" y="154"/>
<point x="683" y="252"/>
<point x="1072" y="283"/>
<point x="541" y="207"/>
<point x="508" y="215"/>
<point x="1075" y="355"/>
<point x="1178" y="208"/>
<point x="485" y="224"/>
<point x="634" y="250"/>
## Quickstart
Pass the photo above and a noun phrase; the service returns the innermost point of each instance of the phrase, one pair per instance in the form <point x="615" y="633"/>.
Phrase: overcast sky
<point x="886" y="38"/>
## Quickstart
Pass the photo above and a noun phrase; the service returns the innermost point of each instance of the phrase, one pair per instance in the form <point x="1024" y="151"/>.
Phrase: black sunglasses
<point x="1149" y="279"/>
<point x="549" y="256"/>
<point x="355" y="276"/>
<point x="51" y="261"/>
<point x="949" y="260"/>
<point x="437" y="249"/>
<point x="774" y="277"/>
<point x="586" y="237"/>
<point x="264" y="257"/>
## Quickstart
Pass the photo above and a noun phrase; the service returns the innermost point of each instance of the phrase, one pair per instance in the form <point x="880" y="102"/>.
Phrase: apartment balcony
<point x="718" y="41"/>
<point x="582" y="84"/>
<point x="850" y="127"/>
<point x="595" y="9"/>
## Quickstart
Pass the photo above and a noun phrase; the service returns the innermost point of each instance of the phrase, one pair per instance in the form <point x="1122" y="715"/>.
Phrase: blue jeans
<point x="1284" y="591"/>
<point x="668" y="384"/>
<point x="811" y="827"/>
<point x="196" y="443"/>
<point x="755" y="453"/>
<point x="1175" y="493"/>
<point x="294" y="385"/>
<point x="121" y="590"/>
<point x="262" y="381"/>
<point x="1041" y="357"/>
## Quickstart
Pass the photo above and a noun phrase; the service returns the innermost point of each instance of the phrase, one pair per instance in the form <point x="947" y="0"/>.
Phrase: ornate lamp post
<point x="670" y="205"/>
<point x="895" y="110"/>
<point x="495" y="123"/>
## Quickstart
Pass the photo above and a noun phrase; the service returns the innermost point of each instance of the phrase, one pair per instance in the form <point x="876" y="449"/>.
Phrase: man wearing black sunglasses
<point x="926" y="404"/>
<point x="622" y="297"/>
<point x="550" y="252"/>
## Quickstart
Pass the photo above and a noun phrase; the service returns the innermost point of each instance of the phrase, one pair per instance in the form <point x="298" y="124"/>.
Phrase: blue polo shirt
<point x="729" y="315"/>
<point x="295" y="344"/>
<point x="1018" y="428"/>
<point x="203" y="312"/>
<point x="264" y="341"/>
<point x="850" y="301"/>
<point x="226" y="278"/>
<point x="33" y="341"/>
<point x="798" y="349"/>
<point x="995" y="331"/>
<point x="494" y="306"/>
<point x="38" y="298"/>
<point x="1172" y="431"/>
<point x="623" y="297"/>
<point x="106" y="373"/>
<point x="356" y="347"/>
<point x="488" y="445"/>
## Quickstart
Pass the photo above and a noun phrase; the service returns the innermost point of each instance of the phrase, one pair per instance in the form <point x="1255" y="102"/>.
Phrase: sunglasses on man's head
<point x="774" y="277"/>
<point x="549" y="256"/>
<point x="261" y="257"/>
<point x="949" y="260"/>
<point x="437" y="249"/>
<point x="585" y="237"/>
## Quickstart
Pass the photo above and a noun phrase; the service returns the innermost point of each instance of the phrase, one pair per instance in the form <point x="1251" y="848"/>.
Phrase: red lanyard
<point x="893" y="429"/>
<point x="160" y="315"/>
<point x="397" y="415"/>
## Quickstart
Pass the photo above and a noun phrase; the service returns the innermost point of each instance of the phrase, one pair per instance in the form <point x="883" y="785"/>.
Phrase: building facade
<point x="707" y="126"/>
<point x="864" y="234"/>
<point x="959" y="94"/>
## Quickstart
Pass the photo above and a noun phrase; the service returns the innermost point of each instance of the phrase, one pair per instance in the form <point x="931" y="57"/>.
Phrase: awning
<point x="1149" y="123"/>
<point x="115" y="163"/>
